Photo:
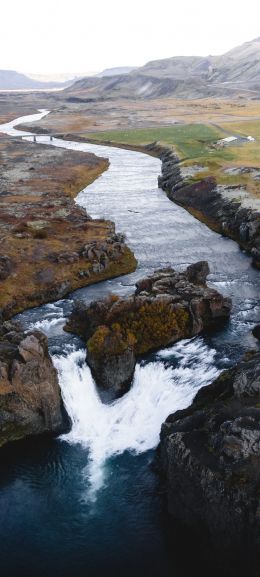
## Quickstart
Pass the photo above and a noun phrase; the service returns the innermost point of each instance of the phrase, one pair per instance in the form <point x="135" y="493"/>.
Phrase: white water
<point x="50" y="326"/>
<point x="133" y="422"/>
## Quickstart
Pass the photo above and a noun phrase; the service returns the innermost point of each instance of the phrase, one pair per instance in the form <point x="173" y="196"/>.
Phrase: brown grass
<point x="35" y="226"/>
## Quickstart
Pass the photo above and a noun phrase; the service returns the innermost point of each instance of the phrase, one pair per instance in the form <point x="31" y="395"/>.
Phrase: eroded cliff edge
<point x="210" y="456"/>
<point x="205" y="200"/>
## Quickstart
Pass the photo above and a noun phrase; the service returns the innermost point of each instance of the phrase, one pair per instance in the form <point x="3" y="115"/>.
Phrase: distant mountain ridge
<point x="115" y="71"/>
<point x="235" y="73"/>
<point x="12" y="80"/>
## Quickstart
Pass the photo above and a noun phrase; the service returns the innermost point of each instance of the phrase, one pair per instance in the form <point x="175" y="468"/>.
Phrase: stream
<point x="88" y="503"/>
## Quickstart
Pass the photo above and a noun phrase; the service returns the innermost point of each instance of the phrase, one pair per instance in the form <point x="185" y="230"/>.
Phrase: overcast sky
<point x="47" y="36"/>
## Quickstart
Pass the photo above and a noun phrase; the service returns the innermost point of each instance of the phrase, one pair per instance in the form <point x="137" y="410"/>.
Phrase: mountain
<point x="12" y="80"/>
<point x="133" y="85"/>
<point x="241" y="64"/>
<point x="235" y="73"/>
<point x="177" y="67"/>
<point x="115" y="71"/>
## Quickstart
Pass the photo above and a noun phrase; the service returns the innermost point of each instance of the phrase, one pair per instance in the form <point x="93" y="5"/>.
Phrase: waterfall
<point x="133" y="422"/>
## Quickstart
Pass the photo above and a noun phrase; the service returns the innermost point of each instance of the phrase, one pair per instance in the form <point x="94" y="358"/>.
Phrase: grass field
<point x="190" y="140"/>
<point x="193" y="144"/>
<point x="244" y="128"/>
<point x="248" y="154"/>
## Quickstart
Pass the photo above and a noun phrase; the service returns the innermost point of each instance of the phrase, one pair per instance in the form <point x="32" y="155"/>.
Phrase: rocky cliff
<point x="30" y="398"/>
<point x="210" y="457"/>
<point x="206" y="202"/>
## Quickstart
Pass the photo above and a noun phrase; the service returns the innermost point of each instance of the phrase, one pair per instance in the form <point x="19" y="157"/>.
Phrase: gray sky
<point x="49" y="36"/>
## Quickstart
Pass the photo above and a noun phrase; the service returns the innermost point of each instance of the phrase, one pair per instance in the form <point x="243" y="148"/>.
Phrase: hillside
<point x="236" y="73"/>
<point x="136" y="85"/>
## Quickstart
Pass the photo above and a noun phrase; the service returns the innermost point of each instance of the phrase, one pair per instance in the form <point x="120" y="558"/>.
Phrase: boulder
<point x="198" y="272"/>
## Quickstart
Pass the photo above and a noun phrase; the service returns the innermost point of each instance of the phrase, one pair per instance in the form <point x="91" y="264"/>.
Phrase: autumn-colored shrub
<point x="143" y="326"/>
<point x="154" y="324"/>
<point x="111" y="341"/>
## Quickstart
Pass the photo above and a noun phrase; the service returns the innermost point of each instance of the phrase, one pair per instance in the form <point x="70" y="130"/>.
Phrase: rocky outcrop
<point x="30" y="398"/>
<point x="66" y="271"/>
<point x="166" y="307"/>
<point x="205" y="201"/>
<point x="111" y="357"/>
<point x="210" y="457"/>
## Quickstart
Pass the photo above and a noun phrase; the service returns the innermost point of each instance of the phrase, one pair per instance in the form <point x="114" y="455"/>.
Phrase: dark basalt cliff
<point x="206" y="203"/>
<point x="210" y="457"/>
<point x="166" y="307"/>
<point x="30" y="398"/>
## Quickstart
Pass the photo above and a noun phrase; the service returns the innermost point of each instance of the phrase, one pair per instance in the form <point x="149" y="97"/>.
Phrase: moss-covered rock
<point x="166" y="307"/>
<point x="111" y="357"/>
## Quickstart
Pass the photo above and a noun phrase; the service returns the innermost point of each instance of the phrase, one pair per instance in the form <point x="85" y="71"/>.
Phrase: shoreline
<point x="204" y="201"/>
<point x="51" y="246"/>
<point x="200" y="198"/>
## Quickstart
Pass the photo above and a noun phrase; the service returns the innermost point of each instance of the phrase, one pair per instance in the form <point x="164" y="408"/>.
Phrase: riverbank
<point x="217" y="207"/>
<point x="49" y="245"/>
<point x="228" y="209"/>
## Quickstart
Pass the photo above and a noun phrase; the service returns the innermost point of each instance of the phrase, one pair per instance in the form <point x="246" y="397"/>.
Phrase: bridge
<point x="35" y="136"/>
<point x="69" y="136"/>
<point x="49" y="136"/>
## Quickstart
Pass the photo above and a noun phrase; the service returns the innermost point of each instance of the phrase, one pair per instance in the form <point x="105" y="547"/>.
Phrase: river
<point x="88" y="503"/>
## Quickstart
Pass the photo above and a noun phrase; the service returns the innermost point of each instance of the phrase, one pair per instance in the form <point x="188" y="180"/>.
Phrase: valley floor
<point x="192" y="128"/>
